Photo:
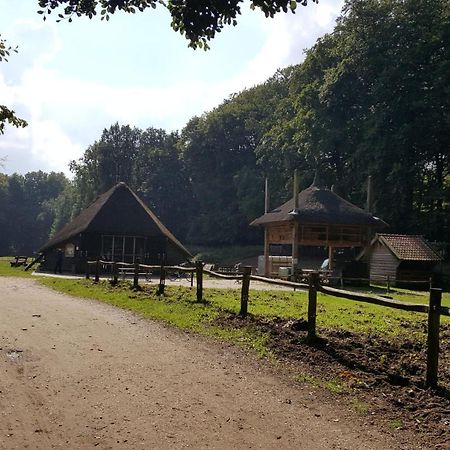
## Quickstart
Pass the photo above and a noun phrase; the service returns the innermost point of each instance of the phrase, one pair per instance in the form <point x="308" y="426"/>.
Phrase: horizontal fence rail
<point x="434" y="309"/>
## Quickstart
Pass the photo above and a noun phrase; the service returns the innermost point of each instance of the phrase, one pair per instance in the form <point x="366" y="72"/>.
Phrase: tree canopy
<point x="6" y="114"/>
<point x="371" y="98"/>
<point x="197" y="20"/>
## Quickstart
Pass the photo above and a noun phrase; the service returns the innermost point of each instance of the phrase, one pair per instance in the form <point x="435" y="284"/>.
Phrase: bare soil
<point x="384" y="377"/>
<point x="80" y="374"/>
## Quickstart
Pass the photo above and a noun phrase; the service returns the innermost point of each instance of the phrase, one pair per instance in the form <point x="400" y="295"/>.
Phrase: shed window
<point x="123" y="248"/>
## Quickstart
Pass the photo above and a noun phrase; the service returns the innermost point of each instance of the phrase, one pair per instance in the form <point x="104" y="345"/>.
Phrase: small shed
<point x="314" y="219"/>
<point x="117" y="226"/>
<point x="402" y="258"/>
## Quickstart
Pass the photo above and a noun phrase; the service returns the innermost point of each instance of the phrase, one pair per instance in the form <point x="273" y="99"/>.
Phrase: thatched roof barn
<point x="117" y="226"/>
<point x="318" y="217"/>
<point x="401" y="257"/>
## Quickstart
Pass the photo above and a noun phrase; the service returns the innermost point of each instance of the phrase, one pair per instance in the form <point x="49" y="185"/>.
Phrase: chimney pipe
<point x="266" y="196"/>
<point x="295" y="189"/>
<point x="369" y="200"/>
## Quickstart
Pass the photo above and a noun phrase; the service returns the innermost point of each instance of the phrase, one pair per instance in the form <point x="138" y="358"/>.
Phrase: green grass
<point x="7" y="271"/>
<point x="361" y="408"/>
<point x="179" y="308"/>
<point x="334" y="385"/>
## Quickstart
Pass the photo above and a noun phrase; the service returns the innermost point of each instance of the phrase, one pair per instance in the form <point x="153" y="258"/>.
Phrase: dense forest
<point x="372" y="97"/>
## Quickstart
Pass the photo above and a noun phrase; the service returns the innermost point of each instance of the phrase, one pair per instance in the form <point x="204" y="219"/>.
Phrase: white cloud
<point x="67" y="114"/>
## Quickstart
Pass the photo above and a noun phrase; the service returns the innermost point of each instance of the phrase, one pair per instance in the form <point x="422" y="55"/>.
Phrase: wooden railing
<point x="434" y="309"/>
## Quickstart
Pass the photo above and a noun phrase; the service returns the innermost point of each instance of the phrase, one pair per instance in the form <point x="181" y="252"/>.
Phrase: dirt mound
<point x="385" y="377"/>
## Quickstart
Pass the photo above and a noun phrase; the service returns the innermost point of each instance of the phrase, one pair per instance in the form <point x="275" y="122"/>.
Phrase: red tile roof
<point x="409" y="248"/>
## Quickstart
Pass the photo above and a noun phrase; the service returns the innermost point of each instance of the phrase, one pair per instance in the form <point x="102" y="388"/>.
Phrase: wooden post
<point x="246" y="273"/>
<point x="192" y="279"/>
<point x="87" y="270"/>
<point x="266" y="252"/>
<point x="433" y="337"/>
<point x="312" y="306"/>
<point x="136" y="275"/>
<point x="199" y="278"/>
<point x="115" y="273"/>
<point x="162" y="278"/>
<point x="294" y="247"/>
<point x="97" y="271"/>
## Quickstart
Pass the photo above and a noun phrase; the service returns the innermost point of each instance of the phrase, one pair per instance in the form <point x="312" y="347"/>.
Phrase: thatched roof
<point x="113" y="212"/>
<point x="318" y="205"/>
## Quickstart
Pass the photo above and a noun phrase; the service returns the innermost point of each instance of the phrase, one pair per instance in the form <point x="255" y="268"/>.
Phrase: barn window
<point x="123" y="248"/>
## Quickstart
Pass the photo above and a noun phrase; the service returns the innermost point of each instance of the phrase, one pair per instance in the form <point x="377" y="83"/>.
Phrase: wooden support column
<point x="330" y="257"/>
<point x="295" y="240"/>
<point x="266" y="252"/>
<point x="295" y="237"/>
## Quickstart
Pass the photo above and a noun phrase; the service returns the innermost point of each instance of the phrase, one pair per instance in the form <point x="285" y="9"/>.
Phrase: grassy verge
<point x="179" y="308"/>
<point x="7" y="271"/>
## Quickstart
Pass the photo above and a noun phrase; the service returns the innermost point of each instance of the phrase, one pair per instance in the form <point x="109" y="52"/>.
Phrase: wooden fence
<point x="434" y="309"/>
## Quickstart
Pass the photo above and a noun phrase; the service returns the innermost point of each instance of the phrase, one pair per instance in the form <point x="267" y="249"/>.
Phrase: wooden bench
<point x="19" y="261"/>
<point x="228" y="270"/>
<point x="129" y="271"/>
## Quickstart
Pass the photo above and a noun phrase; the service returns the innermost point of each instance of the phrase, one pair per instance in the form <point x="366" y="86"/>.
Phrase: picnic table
<point x="19" y="261"/>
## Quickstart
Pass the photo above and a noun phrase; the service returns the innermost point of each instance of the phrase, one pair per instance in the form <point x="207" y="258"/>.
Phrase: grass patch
<point x="361" y="408"/>
<point x="333" y="385"/>
<point x="396" y="424"/>
<point x="178" y="307"/>
<point x="7" y="271"/>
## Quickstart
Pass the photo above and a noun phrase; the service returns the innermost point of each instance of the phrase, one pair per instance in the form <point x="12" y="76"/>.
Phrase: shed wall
<point x="382" y="263"/>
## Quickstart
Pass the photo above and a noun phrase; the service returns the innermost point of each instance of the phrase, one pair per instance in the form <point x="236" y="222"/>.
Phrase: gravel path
<point x="78" y="374"/>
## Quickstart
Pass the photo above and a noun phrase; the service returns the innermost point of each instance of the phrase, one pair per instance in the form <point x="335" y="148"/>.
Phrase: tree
<point x="372" y="98"/>
<point x="197" y="20"/>
<point x="6" y="114"/>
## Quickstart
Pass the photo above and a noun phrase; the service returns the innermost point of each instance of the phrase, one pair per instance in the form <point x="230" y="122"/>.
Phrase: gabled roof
<point x="319" y="205"/>
<point x="408" y="247"/>
<point x="107" y="210"/>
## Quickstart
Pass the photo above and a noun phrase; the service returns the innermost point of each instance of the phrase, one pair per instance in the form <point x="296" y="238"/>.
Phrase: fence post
<point x="246" y="273"/>
<point x="192" y="279"/>
<point x="97" y="271"/>
<point x="136" y="275"/>
<point x="162" y="278"/>
<point x="199" y="277"/>
<point x="312" y="306"/>
<point x="433" y="337"/>
<point x="115" y="270"/>
<point x="87" y="269"/>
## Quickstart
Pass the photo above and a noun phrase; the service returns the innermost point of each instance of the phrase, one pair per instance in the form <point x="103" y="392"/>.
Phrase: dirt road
<point x="77" y="374"/>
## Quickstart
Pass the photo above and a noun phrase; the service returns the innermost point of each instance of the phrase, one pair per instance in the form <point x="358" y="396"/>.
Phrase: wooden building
<point x="400" y="257"/>
<point x="117" y="226"/>
<point x="310" y="227"/>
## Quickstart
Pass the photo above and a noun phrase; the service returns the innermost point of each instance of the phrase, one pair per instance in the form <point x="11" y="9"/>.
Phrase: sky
<point x="70" y="81"/>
